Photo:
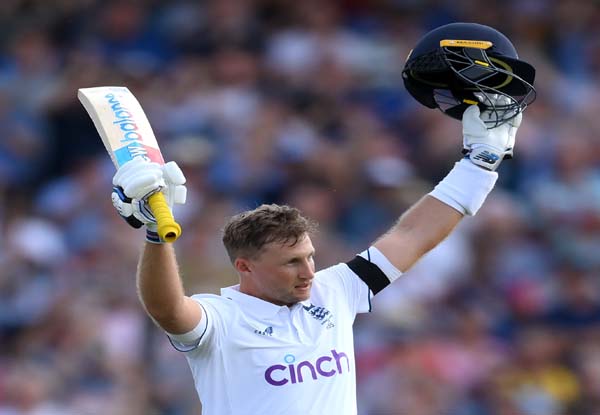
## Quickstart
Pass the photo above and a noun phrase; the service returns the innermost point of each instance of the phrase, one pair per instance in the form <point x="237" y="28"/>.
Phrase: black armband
<point x="370" y="273"/>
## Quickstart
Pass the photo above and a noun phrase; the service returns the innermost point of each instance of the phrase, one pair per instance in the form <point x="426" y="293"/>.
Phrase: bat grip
<point x="168" y="229"/>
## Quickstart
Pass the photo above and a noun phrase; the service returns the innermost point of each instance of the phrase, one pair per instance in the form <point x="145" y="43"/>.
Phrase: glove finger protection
<point x="136" y="181"/>
<point x="139" y="178"/>
<point x="175" y="192"/>
<point x="488" y="147"/>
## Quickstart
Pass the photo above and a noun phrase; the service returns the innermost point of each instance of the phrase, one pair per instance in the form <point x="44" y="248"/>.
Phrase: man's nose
<point x="307" y="272"/>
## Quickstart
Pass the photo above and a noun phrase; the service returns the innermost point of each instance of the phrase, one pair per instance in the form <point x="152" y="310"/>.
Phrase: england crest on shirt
<point x="321" y="314"/>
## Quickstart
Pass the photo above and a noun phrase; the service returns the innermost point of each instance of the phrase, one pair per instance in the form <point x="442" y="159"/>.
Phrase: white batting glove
<point x="488" y="147"/>
<point x="137" y="180"/>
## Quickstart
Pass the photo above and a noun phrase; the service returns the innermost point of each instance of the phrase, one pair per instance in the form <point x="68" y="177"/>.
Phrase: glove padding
<point x="137" y="180"/>
<point x="488" y="147"/>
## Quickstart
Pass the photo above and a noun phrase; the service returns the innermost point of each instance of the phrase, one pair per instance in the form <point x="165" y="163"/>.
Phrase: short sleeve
<point x="342" y="279"/>
<point x="217" y="311"/>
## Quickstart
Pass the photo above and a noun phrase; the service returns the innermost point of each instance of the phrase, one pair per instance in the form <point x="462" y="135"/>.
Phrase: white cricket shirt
<point x="260" y="358"/>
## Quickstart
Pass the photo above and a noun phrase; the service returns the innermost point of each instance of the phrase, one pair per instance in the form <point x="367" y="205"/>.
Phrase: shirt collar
<point x="253" y="305"/>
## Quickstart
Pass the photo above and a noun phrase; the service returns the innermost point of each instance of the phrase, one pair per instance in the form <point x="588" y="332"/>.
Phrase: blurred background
<point x="299" y="103"/>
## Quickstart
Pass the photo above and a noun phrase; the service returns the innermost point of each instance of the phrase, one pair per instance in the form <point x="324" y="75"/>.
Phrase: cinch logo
<point x="327" y="366"/>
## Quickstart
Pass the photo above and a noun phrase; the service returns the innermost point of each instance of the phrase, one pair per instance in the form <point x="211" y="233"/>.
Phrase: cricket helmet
<point x="461" y="64"/>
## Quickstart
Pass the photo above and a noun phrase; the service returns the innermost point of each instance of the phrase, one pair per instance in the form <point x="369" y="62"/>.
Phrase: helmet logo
<point x="457" y="43"/>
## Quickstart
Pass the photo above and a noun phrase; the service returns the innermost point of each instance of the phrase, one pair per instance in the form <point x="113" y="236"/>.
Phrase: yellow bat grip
<point x="168" y="229"/>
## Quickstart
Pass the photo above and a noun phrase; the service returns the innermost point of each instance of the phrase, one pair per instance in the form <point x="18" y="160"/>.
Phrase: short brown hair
<point x="248" y="232"/>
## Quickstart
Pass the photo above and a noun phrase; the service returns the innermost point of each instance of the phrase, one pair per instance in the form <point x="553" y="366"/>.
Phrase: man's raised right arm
<point x="158" y="281"/>
<point x="161" y="291"/>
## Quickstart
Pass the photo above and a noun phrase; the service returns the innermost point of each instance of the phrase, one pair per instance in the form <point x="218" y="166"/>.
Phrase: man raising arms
<point x="281" y="341"/>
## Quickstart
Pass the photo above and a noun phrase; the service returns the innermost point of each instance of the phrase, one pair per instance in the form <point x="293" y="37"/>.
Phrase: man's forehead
<point x="303" y="243"/>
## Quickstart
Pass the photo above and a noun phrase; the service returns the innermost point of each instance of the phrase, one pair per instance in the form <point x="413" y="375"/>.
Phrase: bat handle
<point x="168" y="229"/>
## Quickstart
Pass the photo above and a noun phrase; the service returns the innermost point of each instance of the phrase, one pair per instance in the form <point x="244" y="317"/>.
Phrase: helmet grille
<point x="459" y="76"/>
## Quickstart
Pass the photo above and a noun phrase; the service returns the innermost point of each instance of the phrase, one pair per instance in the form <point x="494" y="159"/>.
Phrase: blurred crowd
<point x="299" y="103"/>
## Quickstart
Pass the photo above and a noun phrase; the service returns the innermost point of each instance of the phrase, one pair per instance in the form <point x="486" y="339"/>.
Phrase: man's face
<point x="281" y="274"/>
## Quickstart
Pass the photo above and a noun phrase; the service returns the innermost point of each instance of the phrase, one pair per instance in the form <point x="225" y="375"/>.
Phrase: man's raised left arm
<point x="462" y="192"/>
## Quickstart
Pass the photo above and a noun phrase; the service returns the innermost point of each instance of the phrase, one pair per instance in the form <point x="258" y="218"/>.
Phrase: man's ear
<point x="242" y="265"/>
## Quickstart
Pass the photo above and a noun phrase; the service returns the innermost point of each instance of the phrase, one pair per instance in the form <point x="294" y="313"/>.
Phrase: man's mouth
<point x="303" y="286"/>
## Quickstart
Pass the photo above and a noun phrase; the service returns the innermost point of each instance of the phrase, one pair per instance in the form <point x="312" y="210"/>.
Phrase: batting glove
<point x="488" y="147"/>
<point x="136" y="181"/>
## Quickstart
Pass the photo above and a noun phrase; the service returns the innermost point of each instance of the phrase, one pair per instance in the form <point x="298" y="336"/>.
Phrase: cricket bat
<point x="126" y="134"/>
